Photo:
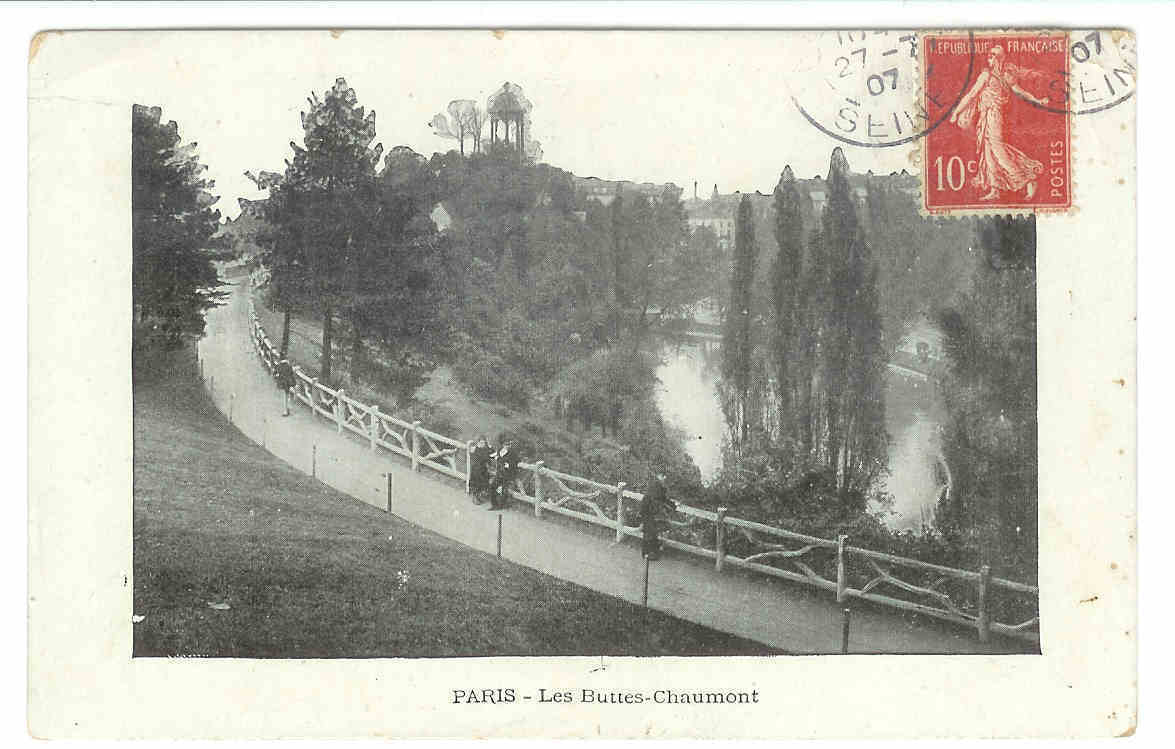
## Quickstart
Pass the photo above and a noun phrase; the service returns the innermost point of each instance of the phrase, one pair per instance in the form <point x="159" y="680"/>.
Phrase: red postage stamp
<point x="1002" y="139"/>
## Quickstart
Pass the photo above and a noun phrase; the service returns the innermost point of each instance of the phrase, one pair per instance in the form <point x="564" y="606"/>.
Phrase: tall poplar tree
<point x="620" y="230"/>
<point x="737" y="344"/>
<point x="848" y="437"/>
<point x="785" y="287"/>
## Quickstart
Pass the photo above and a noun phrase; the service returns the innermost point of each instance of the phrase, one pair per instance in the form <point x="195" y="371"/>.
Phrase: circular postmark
<point x="1100" y="72"/>
<point x="870" y="88"/>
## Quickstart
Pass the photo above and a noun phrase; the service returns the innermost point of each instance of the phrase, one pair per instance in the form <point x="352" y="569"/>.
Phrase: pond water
<point x="914" y="414"/>
<point x="688" y="398"/>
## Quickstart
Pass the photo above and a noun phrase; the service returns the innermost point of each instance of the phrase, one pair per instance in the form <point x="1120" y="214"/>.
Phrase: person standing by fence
<point x="285" y="381"/>
<point x="504" y="477"/>
<point x="654" y="505"/>
<point x="479" y="469"/>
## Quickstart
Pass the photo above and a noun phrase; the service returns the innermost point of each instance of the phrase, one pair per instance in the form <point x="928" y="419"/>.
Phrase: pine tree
<point x="620" y="229"/>
<point x="172" y="281"/>
<point x="323" y="207"/>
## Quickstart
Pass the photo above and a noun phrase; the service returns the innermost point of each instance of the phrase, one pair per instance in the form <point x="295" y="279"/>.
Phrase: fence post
<point x="232" y="399"/>
<point x="841" y="573"/>
<point x="339" y="411"/>
<point x="844" y="631"/>
<point x="389" y="506"/>
<point x="983" y="621"/>
<point x="415" y="449"/>
<point x="468" y="464"/>
<point x="538" y="489"/>
<point x="645" y="597"/>
<point x="620" y="511"/>
<point x="313" y="395"/>
<point x="375" y="426"/>
<point x="720" y="538"/>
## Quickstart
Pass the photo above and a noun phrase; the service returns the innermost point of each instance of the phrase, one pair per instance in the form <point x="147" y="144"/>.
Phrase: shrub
<point x="400" y="374"/>
<point x="489" y="377"/>
<point x="433" y="417"/>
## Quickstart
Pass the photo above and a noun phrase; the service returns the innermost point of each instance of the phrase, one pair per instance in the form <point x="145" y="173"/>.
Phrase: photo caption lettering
<point x="588" y="696"/>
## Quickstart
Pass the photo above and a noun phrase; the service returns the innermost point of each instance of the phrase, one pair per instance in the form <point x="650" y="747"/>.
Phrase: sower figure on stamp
<point x="479" y="469"/>
<point x="1001" y="166"/>
<point x="285" y="381"/>
<point x="505" y="475"/>
<point x="654" y="505"/>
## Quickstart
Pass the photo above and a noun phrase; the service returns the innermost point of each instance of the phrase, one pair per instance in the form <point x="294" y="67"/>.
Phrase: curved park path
<point x="775" y="612"/>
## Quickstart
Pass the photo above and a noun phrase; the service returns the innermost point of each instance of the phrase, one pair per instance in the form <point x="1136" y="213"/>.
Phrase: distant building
<point x="716" y="215"/>
<point x="599" y="190"/>
<point x="604" y="191"/>
<point x="719" y="211"/>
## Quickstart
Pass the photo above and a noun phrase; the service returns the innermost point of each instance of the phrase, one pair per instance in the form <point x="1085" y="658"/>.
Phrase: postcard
<point x="580" y="383"/>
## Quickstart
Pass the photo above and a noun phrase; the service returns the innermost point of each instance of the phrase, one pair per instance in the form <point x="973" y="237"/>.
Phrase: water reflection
<point x="687" y="397"/>
<point x="914" y="415"/>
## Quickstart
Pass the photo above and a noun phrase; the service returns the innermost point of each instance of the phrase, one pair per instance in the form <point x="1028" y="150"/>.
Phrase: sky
<point x="714" y="107"/>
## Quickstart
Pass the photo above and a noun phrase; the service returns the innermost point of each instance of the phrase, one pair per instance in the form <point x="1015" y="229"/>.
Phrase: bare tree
<point x="465" y="119"/>
<point x="477" y="123"/>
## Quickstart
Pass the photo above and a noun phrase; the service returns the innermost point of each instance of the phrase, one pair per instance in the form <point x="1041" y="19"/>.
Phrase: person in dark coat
<point x="504" y="477"/>
<point x="479" y="469"/>
<point x="654" y="505"/>
<point x="285" y="381"/>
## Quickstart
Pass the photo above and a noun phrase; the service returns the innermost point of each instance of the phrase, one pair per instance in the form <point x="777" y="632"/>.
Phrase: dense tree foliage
<point x="922" y="262"/>
<point x="990" y="390"/>
<point x="347" y="242"/>
<point x="527" y="284"/>
<point x="544" y="280"/>
<point x="825" y="410"/>
<point x="323" y="208"/>
<point x="847" y="416"/>
<point x="737" y="341"/>
<point x="786" y="274"/>
<point x="539" y="297"/>
<point x="173" y="281"/>
<point x="844" y="292"/>
<point x="805" y="396"/>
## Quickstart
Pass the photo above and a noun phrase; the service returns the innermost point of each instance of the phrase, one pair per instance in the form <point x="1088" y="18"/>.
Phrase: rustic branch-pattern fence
<point x="964" y="597"/>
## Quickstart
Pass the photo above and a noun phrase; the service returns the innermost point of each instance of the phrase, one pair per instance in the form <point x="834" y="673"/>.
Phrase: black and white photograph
<point x="608" y="414"/>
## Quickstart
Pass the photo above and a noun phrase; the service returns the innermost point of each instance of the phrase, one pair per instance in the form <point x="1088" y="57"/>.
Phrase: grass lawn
<point x="308" y="572"/>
